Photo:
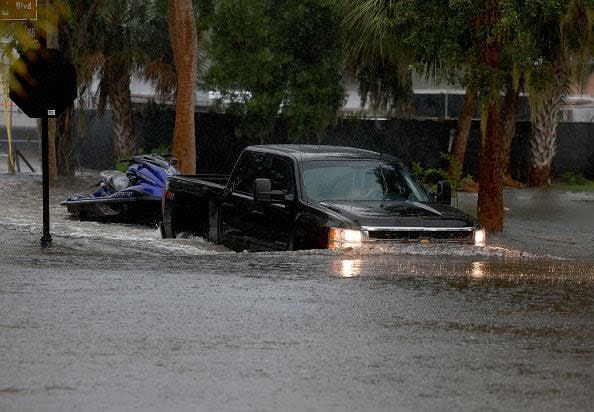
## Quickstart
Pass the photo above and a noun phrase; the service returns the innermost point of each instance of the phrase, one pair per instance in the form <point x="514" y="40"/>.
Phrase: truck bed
<point x="190" y="205"/>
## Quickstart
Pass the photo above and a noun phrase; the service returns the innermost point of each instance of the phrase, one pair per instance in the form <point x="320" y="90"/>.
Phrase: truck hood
<point x="403" y="214"/>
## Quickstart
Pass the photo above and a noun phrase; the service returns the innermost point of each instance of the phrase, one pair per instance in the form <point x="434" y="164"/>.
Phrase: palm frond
<point x="93" y="63"/>
<point x="162" y="76"/>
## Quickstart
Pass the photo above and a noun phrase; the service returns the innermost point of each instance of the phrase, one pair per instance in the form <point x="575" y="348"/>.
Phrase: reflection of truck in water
<point x="294" y="197"/>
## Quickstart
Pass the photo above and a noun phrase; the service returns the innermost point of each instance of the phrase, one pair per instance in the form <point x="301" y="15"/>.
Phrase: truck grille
<point x="463" y="235"/>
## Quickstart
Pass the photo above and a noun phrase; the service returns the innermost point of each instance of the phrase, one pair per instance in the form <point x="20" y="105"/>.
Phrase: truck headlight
<point x="343" y="238"/>
<point x="480" y="237"/>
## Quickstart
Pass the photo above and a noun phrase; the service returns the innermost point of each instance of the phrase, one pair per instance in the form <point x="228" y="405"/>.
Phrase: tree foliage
<point x="377" y="53"/>
<point x="119" y="32"/>
<point x="492" y="42"/>
<point x="277" y="57"/>
<point x="440" y="37"/>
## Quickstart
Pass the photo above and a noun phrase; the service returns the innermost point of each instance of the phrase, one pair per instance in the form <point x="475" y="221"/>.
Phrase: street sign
<point x="18" y="10"/>
<point x="42" y="83"/>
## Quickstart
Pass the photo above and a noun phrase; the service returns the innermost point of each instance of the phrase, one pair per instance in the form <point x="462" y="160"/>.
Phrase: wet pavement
<point x="111" y="317"/>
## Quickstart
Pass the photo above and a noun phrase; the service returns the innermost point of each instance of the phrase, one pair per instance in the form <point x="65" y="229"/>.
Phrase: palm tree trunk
<point x="52" y="43"/>
<point x="545" y="118"/>
<point x="65" y="148"/>
<point x="462" y="132"/>
<point x="184" y="43"/>
<point x="543" y="145"/>
<point x="490" y="196"/>
<point x="121" y="106"/>
<point x="508" y="123"/>
<point x="52" y="167"/>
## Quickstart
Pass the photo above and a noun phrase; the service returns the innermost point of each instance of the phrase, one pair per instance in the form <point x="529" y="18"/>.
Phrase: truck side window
<point x="259" y="165"/>
<point x="248" y="168"/>
<point x="279" y="171"/>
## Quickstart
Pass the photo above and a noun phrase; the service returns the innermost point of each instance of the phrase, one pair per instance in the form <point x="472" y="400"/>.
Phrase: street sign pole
<point x="44" y="89"/>
<point x="46" y="238"/>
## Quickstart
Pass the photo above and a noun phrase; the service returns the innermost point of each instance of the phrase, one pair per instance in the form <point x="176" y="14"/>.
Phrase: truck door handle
<point x="228" y="205"/>
<point x="257" y="213"/>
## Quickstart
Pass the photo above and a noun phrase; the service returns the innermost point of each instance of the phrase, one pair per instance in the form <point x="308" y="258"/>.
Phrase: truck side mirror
<point x="264" y="194"/>
<point x="262" y="191"/>
<point x="444" y="192"/>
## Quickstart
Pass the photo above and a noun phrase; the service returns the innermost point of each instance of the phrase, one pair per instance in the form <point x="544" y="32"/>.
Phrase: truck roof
<point x="321" y="152"/>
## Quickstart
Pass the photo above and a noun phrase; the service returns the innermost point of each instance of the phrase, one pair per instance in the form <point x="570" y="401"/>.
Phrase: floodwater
<point x="113" y="317"/>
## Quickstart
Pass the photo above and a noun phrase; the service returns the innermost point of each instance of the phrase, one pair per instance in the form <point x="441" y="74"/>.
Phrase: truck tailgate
<point x="197" y="184"/>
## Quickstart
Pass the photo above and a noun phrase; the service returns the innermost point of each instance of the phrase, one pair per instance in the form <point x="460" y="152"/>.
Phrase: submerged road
<point x="113" y="318"/>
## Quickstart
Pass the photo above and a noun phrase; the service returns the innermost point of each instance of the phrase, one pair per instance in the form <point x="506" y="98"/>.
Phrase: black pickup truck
<point x="281" y="197"/>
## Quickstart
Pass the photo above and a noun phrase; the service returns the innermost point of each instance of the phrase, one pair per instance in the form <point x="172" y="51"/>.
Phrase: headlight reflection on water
<point x="347" y="268"/>
<point x="477" y="270"/>
<point x="404" y="267"/>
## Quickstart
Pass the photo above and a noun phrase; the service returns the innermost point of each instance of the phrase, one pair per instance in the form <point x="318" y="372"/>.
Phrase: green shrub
<point x="573" y="179"/>
<point x="429" y="177"/>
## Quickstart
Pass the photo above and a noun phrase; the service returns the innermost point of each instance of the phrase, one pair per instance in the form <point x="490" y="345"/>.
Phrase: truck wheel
<point x="214" y="230"/>
<point x="219" y="239"/>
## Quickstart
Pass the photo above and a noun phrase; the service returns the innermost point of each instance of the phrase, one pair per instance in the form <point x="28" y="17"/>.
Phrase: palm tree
<point x="121" y="42"/>
<point x="184" y="42"/>
<point x="546" y="106"/>
<point x="376" y="54"/>
<point x="562" y="42"/>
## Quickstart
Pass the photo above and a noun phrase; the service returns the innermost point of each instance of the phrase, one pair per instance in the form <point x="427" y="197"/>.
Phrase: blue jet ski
<point x="134" y="196"/>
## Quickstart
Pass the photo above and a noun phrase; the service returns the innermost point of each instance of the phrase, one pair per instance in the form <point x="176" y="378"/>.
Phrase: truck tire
<point x="214" y="223"/>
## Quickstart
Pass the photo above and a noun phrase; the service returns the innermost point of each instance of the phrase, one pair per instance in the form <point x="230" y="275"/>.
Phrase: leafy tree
<point x="440" y="37"/>
<point x="277" y="57"/>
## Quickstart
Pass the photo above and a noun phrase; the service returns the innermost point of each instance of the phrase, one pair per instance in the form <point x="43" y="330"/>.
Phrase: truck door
<point x="275" y="220"/>
<point x="247" y="225"/>
<point x="237" y="201"/>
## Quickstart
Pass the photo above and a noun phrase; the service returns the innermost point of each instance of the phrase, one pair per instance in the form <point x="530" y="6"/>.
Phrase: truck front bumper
<point x="342" y="238"/>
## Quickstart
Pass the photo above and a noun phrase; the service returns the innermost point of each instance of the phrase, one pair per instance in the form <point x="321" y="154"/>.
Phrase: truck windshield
<point x="358" y="180"/>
